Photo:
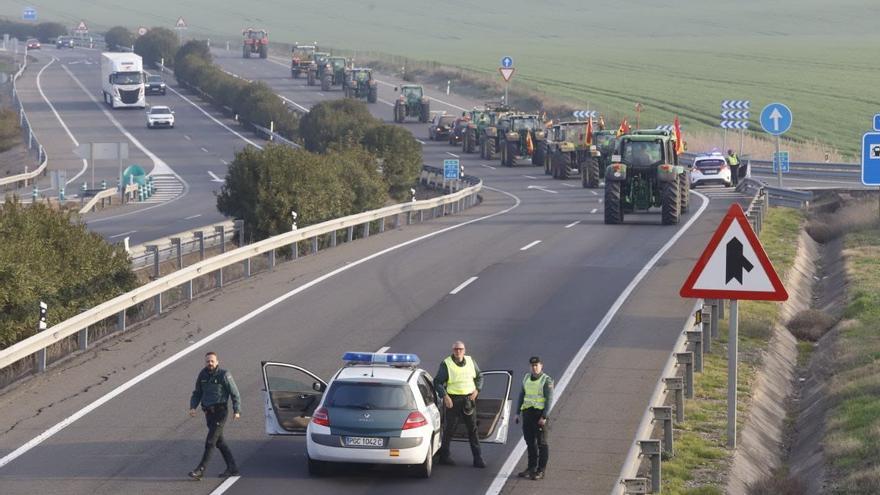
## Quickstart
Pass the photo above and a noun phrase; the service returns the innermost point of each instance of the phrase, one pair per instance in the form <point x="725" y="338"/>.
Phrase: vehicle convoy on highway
<point x="359" y="83"/>
<point x="122" y="76"/>
<point x="379" y="408"/>
<point x="331" y="71"/>
<point x="568" y="154"/>
<point x="646" y="174"/>
<point x="519" y="136"/>
<point x="412" y="102"/>
<point x="255" y="41"/>
<point x="302" y="61"/>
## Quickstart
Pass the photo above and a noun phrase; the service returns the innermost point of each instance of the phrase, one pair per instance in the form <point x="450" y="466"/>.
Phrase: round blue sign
<point x="507" y="62"/>
<point x="776" y="119"/>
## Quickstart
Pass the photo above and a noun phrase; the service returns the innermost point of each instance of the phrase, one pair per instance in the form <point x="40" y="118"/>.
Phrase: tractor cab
<point x="642" y="153"/>
<point x="411" y="92"/>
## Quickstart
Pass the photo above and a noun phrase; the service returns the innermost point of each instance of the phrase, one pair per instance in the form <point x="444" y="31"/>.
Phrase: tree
<point x="47" y="31"/>
<point x="358" y="169"/>
<point x="336" y="124"/>
<point x="118" y="37"/>
<point x="196" y="48"/>
<point x="401" y="157"/>
<point x="158" y="44"/>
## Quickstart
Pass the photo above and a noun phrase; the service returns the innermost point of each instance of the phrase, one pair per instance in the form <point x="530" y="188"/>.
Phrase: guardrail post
<point x="652" y="450"/>
<point x="687" y="359"/>
<point x="41" y="360"/>
<point x="200" y="236"/>
<point x="82" y="338"/>
<point x="381" y="225"/>
<point x="635" y="486"/>
<point x="315" y="245"/>
<point x="158" y="297"/>
<point x="350" y="234"/>
<point x="366" y="230"/>
<point x="120" y="321"/>
<point x="271" y="259"/>
<point x="675" y="384"/>
<point x="333" y="239"/>
<point x="664" y="415"/>
<point x="221" y="230"/>
<point x="706" y="324"/>
<point x="178" y="249"/>
<point x="695" y="338"/>
<point x="720" y="307"/>
<point x="239" y="227"/>
<point x="421" y="216"/>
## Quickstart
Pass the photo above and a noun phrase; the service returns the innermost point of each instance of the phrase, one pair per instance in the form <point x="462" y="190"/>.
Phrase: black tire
<point x="562" y="165"/>
<point x="424" y="112"/>
<point x="590" y="173"/>
<point x="538" y="156"/>
<point x="397" y="112"/>
<point x="613" y="203"/>
<point x="512" y="148"/>
<point x="684" y="186"/>
<point x="245" y="53"/>
<point x="372" y="94"/>
<point x="548" y="164"/>
<point x="424" y="469"/>
<point x="670" y="203"/>
<point x="310" y="78"/>
<point x="264" y="51"/>
<point x="469" y="141"/>
<point x="490" y="149"/>
<point x="326" y="82"/>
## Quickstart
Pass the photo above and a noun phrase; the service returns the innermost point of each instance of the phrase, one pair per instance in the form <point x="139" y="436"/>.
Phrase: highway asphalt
<point x="548" y="273"/>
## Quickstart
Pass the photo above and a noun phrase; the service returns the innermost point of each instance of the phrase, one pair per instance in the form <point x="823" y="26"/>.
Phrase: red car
<point x="33" y="44"/>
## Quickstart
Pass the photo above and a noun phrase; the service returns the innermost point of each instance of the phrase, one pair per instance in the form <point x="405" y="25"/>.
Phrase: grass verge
<point x="702" y="459"/>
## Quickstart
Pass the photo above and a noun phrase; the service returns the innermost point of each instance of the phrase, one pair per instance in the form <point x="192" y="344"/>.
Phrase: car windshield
<point x="412" y="91"/>
<point x="363" y="395"/>
<point x="361" y="75"/>
<point x="303" y="51"/>
<point x="160" y="110"/>
<point x="156" y="79"/>
<point x="530" y="123"/>
<point x="605" y="141"/>
<point x="128" y="78"/>
<point x="446" y="120"/>
<point x="642" y="153"/>
<point x="338" y="63"/>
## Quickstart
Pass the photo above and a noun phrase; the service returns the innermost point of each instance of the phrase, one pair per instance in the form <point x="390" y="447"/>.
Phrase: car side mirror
<point x="396" y="88"/>
<point x="318" y="387"/>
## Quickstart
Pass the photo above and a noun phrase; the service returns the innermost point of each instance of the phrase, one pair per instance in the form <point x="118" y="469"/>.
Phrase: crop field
<point x="684" y="57"/>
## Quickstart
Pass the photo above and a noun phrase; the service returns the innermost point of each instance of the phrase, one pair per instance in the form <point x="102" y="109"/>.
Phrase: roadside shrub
<point x="810" y="325"/>
<point x="159" y="43"/>
<point x="196" y="48"/>
<point x="118" y="37"/>
<point x="337" y="124"/>
<point x="777" y="484"/>
<point x="401" y="157"/>
<point x="10" y="133"/>
<point x="47" y="31"/>
<point x="853" y="217"/>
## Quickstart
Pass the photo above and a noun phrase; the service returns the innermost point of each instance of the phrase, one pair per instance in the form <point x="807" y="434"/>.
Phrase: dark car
<point x="440" y="127"/>
<point x="154" y="85"/>
<point x="64" y="42"/>
<point x="33" y="44"/>
<point x="458" y="129"/>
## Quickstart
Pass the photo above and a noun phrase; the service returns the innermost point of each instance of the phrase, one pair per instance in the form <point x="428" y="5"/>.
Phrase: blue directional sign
<point x="451" y="169"/>
<point x="780" y="160"/>
<point x="29" y="14"/>
<point x="776" y="119"/>
<point x="877" y="122"/>
<point x="507" y="62"/>
<point x="871" y="159"/>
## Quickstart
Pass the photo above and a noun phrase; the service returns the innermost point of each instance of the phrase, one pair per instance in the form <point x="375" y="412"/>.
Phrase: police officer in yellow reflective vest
<point x="458" y="382"/>
<point x="535" y="400"/>
<point x="733" y="163"/>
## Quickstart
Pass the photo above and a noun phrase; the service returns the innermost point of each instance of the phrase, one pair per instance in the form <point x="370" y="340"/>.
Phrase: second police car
<point x="710" y="168"/>
<point x="379" y="408"/>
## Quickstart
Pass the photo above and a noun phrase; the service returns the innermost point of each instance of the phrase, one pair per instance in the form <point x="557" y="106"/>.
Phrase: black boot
<point x="230" y="471"/>
<point x="197" y="473"/>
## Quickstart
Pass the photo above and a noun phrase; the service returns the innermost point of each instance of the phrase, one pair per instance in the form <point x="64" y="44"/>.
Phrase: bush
<point x="48" y="31"/>
<point x="10" y="132"/>
<point x="810" y="325"/>
<point x="337" y="124"/>
<point x="777" y="484"/>
<point x="50" y="256"/>
<point x="159" y="43"/>
<point x="401" y="157"/>
<point x="118" y="37"/>
<point x="196" y="48"/>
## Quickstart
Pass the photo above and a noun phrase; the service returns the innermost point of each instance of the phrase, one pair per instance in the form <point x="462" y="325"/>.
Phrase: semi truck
<point x="122" y="75"/>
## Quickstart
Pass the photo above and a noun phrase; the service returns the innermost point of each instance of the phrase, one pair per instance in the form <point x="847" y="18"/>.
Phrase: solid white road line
<point x="193" y="216"/>
<point x="452" y="154"/>
<point x="420" y="141"/>
<point x="566" y="184"/>
<point x="572" y="224"/>
<point x="225" y="485"/>
<point x="463" y="285"/>
<point x="385" y="102"/>
<point x="530" y="245"/>
<point x="214" y="177"/>
<point x="542" y="188"/>
<point x="594" y="210"/>
<point x="487" y="166"/>
<point x="594" y="193"/>
<point x="383" y="349"/>
<point x="122" y="234"/>
<point x="60" y="120"/>
<point x="530" y="177"/>
<point x="204" y="149"/>
<point x="42" y="437"/>
<point x="519" y="449"/>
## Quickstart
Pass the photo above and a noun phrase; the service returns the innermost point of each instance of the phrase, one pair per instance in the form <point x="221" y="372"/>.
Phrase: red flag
<point x="530" y="146"/>
<point x="623" y="129"/>
<point x="588" y="139"/>
<point x="679" y="142"/>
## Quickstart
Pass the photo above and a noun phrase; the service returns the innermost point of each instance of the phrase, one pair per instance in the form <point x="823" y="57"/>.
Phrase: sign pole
<point x="506" y="85"/>
<point x="92" y="162"/>
<point x="778" y="161"/>
<point x="741" y="133"/>
<point x="731" y="372"/>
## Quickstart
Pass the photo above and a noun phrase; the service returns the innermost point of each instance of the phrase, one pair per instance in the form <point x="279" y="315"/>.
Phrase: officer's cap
<point x="534" y="360"/>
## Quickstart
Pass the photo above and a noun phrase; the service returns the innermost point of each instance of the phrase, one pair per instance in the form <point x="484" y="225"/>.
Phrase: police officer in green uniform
<point x="733" y="163"/>
<point x="535" y="399"/>
<point x="214" y="387"/>
<point x="458" y="382"/>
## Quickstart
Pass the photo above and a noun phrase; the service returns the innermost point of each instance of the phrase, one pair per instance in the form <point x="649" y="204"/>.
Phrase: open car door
<point x="290" y="395"/>
<point x="493" y="408"/>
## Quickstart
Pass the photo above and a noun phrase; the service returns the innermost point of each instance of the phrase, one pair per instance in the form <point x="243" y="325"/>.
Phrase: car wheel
<point x="425" y="469"/>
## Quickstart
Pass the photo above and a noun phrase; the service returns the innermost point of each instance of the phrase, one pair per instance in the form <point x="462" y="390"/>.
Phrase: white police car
<point x="710" y="168"/>
<point x="380" y="408"/>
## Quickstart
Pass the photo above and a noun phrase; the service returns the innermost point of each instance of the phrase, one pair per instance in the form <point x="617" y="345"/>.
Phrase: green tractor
<point x="606" y="146"/>
<point x="567" y="153"/>
<point x="331" y="72"/>
<point x="470" y="139"/>
<point x="412" y="102"/>
<point x="520" y="136"/>
<point x="359" y="83"/>
<point x="302" y="61"/>
<point x="646" y="174"/>
<point x="487" y="131"/>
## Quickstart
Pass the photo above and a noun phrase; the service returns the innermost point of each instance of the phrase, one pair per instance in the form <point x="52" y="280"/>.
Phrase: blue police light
<point x="380" y="357"/>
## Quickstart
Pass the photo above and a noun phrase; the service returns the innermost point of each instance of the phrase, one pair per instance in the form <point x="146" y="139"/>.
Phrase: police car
<point x="710" y="168"/>
<point x="379" y="408"/>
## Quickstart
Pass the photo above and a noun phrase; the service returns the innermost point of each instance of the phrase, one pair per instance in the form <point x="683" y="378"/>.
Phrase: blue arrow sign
<point x="29" y="14"/>
<point x="871" y="159"/>
<point x="735" y="114"/>
<point x="506" y="62"/>
<point x="584" y="114"/>
<point x="735" y="104"/>
<point x="776" y="119"/>
<point x="877" y="122"/>
<point x="734" y="124"/>
<point x="451" y="169"/>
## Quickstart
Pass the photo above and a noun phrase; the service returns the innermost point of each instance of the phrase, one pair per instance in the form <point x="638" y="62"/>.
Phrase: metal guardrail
<point x="191" y="241"/>
<point x="32" y="142"/>
<point x="117" y="308"/>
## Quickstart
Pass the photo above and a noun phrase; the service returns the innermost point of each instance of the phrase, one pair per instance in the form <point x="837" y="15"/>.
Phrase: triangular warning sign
<point x="734" y="265"/>
<point x="506" y="72"/>
<point x="180" y="24"/>
<point x="82" y="26"/>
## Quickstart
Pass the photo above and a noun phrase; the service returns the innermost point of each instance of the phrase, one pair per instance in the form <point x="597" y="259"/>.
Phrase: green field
<point x="683" y="57"/>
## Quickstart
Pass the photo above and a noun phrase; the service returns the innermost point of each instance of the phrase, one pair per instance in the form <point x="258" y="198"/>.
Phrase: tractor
<point x="568" y="154"/>
<point x="412" y="102"/>
<point x="606" y="145"/>
<point x="331" y="72"/>
<point x="302" y="61"/>
<point x="487" y="130"/>
<point x="470" y="138"/>
<point x="255" y="41"/>
<point x="520" y="136"/>
<point x="359" y="83"/>
<point x="646" y="174"/>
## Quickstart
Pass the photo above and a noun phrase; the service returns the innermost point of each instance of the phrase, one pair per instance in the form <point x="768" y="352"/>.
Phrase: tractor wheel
<point x="326" y="82"/>
<point x="490" y="149"/>
<point x="425" y="112"/>
<point x="483" y="149"/>
<point x="372" y="94"/>
<point x="613" y="202"/>
<point x="470" y="138"/>
<point x="548" y="164"/>
<point x="397" y="112"/>
<point x="347" y="91"/>
<point x="264" y="51"/>
<point x="245" y="53"/>
<point x="562" y="166"/>
<point x="590" y="173"/>
<point x="512" y="148"/>
<point x="310" y="78"/>
<point x="670" y="203"/>
<point x="684" y="186"/>
<point x="538" y="156"/>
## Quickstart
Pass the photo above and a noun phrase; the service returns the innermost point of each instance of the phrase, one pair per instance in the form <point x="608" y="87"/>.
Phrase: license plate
<point x="710" y="171"/>
<point x="364" y="442"/>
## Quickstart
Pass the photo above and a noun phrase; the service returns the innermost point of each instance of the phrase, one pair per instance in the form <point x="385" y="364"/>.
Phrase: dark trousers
<point x="454" y="416"/>
<point x="215" y="416"/>
<point x="734" y="174"/>
<point x="536" y="438"/>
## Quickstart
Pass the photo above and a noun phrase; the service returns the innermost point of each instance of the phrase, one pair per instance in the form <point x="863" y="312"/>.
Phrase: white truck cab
<point x="122" y="76"/>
